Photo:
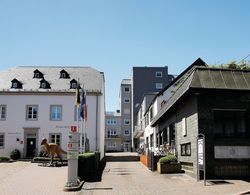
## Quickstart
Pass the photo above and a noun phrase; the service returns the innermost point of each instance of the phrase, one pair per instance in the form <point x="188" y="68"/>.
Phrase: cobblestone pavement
<point x="128" y="178"/>
<point x="133" y="178"/>
<point x="25" y="178"/>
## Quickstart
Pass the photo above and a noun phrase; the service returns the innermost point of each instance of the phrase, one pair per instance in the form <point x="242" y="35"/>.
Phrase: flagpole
<point x="84" y="122"/>
<point x="81" y="138"/>
<point x="77" y="106"/>
<point x="80" y="133"/>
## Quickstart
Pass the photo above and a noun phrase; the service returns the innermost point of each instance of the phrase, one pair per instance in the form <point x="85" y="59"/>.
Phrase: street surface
<point x="128" y="178"/>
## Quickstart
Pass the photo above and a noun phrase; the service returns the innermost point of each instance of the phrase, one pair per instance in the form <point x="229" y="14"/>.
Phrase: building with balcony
<point x="113" y="141"/>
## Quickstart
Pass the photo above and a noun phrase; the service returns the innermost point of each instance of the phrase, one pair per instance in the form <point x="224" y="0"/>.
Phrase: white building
<point x="39" y="102"/>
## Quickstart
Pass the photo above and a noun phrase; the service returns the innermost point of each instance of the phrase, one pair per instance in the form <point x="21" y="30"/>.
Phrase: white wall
<point x="16" y="122"/>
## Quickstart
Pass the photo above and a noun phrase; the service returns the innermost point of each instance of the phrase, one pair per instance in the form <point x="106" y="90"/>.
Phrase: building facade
<point x="125" y="106"/>
<point x="145" y="80"/>
<point x="214" y="103"/>
<point x="39" y="102"/>
<point x="143" y="118"/>
<point x="113" y="141"/>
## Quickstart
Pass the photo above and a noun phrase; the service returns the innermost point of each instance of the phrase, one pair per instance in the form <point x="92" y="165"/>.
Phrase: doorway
<point x="30" y="142"/>
<point x="31" y="147"/>
<point x="126" y="146"/>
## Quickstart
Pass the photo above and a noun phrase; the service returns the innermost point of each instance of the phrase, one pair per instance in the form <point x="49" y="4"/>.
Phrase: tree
<point x="242" y="65"/>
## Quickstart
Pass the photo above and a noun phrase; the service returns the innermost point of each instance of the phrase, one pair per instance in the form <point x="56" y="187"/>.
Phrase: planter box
<point x="168" y="168"/>
<point x="144" y="159"/>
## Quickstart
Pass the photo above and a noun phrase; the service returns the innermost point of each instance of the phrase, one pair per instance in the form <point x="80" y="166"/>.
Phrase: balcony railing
<point x="113" y="136"/>
<point x="139" y="131"/>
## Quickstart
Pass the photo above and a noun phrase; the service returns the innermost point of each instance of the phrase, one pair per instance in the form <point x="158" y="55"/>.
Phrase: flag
<point x="83" y="106"/>
<point x="77" y="100"/>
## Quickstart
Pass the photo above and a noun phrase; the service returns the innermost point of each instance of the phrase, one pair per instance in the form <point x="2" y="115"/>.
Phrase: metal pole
<point x="202" y="136"/>
<point x="84" y="134"/>
<point x="198" y="166"/>
<point x="204" y="160"/>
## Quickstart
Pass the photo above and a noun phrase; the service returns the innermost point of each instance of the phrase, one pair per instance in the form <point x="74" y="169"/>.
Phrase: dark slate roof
<point x="207" y="78"/>
<point x="221" y="79"/>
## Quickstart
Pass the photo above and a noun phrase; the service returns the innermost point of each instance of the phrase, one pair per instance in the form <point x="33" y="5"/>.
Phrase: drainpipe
<point x="96" y="122"/>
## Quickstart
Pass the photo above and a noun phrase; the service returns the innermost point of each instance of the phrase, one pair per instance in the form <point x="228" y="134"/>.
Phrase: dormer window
<point x="16" y="84"/>
<point x="44" y="84"/>
<point x="73" y="84"/>
<point x="64" y="74"/>
<point x="38" y="74"/>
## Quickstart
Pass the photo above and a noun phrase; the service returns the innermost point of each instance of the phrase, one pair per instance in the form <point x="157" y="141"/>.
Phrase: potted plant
<point x="168" y="164"/>
<point x="15" y="154"/>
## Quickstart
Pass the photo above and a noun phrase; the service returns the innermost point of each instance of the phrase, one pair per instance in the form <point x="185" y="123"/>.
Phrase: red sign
<point x="70" y="145"/>
<point x="73" y="129"/>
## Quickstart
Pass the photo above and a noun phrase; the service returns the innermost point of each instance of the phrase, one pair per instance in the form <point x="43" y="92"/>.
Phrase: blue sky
<point x="114" y="35"/>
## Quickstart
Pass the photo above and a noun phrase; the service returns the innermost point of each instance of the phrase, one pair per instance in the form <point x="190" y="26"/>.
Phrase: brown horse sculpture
<point x="52" y="149"/>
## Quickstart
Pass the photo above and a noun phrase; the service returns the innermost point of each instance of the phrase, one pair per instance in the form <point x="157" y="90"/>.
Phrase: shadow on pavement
<point x="122" y="158"/>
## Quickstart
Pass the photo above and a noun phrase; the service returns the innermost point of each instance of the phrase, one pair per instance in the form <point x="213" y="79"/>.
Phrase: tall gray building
<point x="118" y="124"/>
<point x="125" y="105"/>
<point x="146" y="80"/>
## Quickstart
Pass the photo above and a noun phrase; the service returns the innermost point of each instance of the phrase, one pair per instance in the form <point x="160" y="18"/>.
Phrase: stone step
<point x="121" y="158"/>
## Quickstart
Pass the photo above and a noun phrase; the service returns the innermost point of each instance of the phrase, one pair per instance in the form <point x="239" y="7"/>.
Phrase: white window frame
<point x="43" y="85"/>
<point x="58" y="113"/>
<point x="14" y="85"/>
<point x="184" y="126"/>
<point x="37" y="75"/>
<point x="111" y="122"/>
<point x="111" y="133"/>
<point x="63" y="75"/>
<point x="126" y="120"/>
<point x="3" y="112"/>
<point x="73" y="85"/>
<point x="158" y="74"/>
<point x="126" y="100"/>
<point x="127" y="133"/>
<point x="125" y="90"/>
<point x="158" y="85"/>
<point x="55" y="138"/>
<point x="32" y="116"/>
<point x="2" y="140"/>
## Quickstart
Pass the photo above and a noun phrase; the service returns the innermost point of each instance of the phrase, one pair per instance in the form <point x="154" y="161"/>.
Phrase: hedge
<point x="4" y="159"/>
<point x="88" y="165"/>
<point x="168" y="159"/>
<point x="46" y="159"/>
